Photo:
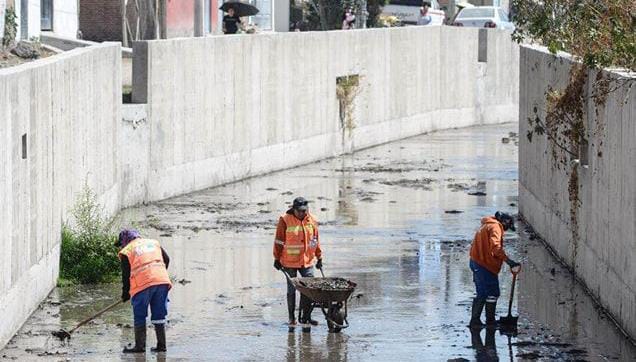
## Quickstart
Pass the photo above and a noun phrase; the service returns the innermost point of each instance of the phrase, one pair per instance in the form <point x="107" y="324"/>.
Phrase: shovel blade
<point x="508" y="321"/>
<point x="62" y="334"/>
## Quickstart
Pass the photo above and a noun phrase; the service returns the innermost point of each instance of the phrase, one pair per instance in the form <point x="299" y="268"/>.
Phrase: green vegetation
<point x="600" y="33"/>
<point x="89" y="253"/>
<point x="347" y="88"/>
<point x="10" y="27"/>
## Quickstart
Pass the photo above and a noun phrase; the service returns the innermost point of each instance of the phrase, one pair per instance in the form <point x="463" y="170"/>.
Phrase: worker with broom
<point x="145" y="280"/>
<point x="486" y="257"/>
<point x="296" y="247"/>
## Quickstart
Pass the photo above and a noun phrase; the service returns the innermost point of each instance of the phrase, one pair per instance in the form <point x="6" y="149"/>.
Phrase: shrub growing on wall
<point x="89" y="253"/>
<point x="10" y="28"/>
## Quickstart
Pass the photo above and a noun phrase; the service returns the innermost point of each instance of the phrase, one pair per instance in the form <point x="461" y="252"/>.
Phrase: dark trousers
<point x="305" y="308"/>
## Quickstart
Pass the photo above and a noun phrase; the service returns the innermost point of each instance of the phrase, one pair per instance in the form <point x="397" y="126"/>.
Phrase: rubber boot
<point x="304" y="313"/>
<point x="160" y="331"/>
<point x="291" y="308"/>
<point x="490" y="314"/>
<point x="140" y="341"/>
<point x="478" y="307"/>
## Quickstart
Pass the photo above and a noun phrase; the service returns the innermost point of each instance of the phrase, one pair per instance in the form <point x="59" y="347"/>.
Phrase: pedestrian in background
<point x="425" y="17"/>
<point x="231" y="22"/>
<point x="348" y="19"/>
<point x="144" y="265"/>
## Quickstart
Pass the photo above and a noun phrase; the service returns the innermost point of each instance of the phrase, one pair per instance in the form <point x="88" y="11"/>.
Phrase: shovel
<point x="510" y="322"/>
<point x="64" y="335"/>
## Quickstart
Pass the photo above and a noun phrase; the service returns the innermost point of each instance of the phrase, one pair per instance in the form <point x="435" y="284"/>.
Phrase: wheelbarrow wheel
<point x="336" y="315"/>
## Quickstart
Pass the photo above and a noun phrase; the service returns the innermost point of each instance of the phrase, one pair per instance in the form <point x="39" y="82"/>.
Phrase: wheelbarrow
<point x="330" y="295"/>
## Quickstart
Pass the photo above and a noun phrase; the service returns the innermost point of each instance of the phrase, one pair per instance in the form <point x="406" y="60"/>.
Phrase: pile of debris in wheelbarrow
<point x="330" y="295"/>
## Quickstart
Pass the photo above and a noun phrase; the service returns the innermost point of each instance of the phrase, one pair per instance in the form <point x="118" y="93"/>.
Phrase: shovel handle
<point x="321" y="272"/>
<point x="96" y="315"/>
<point x="512" y="293"/>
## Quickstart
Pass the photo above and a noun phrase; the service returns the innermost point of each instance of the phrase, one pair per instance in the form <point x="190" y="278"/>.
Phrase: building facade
<point x="35" y="16"/>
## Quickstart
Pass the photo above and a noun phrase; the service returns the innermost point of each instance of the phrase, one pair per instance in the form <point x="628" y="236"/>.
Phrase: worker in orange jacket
<point x="145" y="279"/>
<point x="486" y="257"/>
<point x="296" y="247"/>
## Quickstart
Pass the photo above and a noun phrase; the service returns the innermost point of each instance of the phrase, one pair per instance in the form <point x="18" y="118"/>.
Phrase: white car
<point x="408" y="11"/>
<point x="484" y="17"/>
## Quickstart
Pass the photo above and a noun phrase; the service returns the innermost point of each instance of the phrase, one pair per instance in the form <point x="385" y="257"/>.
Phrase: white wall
<point x="69" y="107"/>
<point x="66" y="18"/>
<point x="269" y="101"/>
<point x="604" y="253"/>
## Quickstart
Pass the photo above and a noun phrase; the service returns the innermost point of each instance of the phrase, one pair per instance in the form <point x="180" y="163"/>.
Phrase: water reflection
<point x="484" y="351"/>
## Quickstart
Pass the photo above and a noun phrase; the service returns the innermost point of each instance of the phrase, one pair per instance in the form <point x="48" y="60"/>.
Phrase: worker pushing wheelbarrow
<point x="296" y="249"/>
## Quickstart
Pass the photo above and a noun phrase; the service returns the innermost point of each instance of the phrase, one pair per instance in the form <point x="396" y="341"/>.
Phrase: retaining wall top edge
<point x="54" y="58"/>
<point x="317" y="32"/>
<point x="621" y="72"/>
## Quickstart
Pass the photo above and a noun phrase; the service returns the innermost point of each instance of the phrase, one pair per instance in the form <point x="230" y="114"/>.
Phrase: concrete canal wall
<point x="215" y="110"/>
<point x="228" y="107"/>
<point x="59" y="120"/>
<point x="603" y="254"/>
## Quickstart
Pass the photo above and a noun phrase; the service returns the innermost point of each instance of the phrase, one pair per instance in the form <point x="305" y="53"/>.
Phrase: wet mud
<point x="327" y="284"/>
<point x="395" y="219"/>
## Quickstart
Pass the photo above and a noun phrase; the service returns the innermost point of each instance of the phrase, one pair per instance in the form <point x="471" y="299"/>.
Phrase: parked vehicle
<point x="408" y="11"/>
<point x="484" y="17"/>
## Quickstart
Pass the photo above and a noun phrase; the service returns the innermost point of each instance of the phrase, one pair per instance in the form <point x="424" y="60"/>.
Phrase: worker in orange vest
<point x="144" y="265"/>
<point x="486" y="257"/>
<point x="296" y="247"/>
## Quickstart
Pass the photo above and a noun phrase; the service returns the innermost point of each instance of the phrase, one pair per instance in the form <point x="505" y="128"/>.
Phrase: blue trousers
<point x="157" y="298"/>
<point x="486" y="283"/>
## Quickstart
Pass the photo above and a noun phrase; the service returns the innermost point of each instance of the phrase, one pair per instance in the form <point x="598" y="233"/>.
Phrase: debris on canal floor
<point x="407" y="250"/>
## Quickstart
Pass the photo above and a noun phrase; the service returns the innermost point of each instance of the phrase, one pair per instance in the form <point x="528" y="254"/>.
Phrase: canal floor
<point x="396" y="219"/>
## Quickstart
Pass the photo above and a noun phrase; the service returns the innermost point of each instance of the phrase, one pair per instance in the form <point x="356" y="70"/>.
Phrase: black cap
<point x="507" y="220"/>
<point x="300" y="204"/>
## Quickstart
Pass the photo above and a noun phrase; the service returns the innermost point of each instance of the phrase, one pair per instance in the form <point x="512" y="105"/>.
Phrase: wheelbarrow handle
<point x="286" y="274"/>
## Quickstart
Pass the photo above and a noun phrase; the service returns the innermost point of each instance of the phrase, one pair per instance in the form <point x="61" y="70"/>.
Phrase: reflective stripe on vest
<point x="300" y="243"/>
<point x="146" y="265"/>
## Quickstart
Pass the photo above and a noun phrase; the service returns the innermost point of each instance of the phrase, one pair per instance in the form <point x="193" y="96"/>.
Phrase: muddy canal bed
<point x="395" y="219"/>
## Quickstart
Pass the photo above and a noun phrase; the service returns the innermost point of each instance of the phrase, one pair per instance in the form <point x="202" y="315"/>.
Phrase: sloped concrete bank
<point x="215" y="110"/>
<point x="597" y="238"/>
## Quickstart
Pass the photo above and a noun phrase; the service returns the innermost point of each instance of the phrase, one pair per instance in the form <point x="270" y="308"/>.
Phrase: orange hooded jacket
<point x="487" y="247"/>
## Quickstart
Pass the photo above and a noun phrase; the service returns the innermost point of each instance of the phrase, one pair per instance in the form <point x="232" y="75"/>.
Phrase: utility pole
<point x="124" y="20"/>
<point x="198" y="17"/>
<point x="163" y="24"/>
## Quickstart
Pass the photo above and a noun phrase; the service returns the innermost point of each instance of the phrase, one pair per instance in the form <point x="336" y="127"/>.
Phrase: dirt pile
<point x="326" y="283"/>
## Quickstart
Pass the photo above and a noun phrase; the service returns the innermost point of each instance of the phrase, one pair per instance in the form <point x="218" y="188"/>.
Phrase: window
<point x="476" y="13"/>
<point x="503" y="16"/>
<point x="262" y="20"/>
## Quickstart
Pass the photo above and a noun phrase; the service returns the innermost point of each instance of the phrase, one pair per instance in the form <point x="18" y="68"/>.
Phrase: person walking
<point x="145" y="280"/>
<point x="348" y="19"/>
<point x="486" y="257"/>
<point x="425" y="17"/>
<point x="296" y="247"/>
<point x="231" y="22"/>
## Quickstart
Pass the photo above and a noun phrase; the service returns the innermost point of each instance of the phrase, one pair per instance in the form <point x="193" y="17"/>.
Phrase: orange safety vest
<point x="301" y="241"/>
<point x="146" y="265"/>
